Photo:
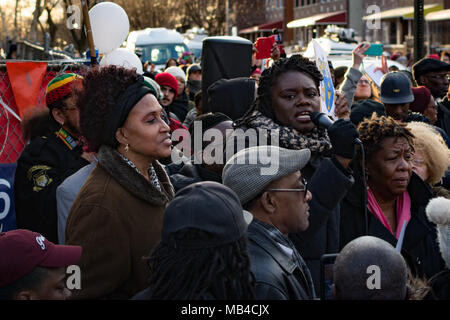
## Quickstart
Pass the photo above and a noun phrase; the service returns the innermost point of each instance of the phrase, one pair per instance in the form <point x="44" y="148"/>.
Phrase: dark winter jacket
<point x="278" y="276"/>
<point x="191" y="173"/>
<point x="180" y="107"/>
<point x="443" y="117"/>
<point x="420" y="247"/>
<point x="41" y="168"/>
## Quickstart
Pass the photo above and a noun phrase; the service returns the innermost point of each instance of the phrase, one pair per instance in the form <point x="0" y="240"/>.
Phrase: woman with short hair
<point x="395" y="195"/>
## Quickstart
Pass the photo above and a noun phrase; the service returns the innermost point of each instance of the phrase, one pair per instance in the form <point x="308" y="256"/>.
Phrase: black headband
<point x="125" y="102"/>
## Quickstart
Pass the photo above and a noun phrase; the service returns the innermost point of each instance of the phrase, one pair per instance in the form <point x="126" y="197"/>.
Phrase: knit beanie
<point x="422" y="96"/>
<point x="438" y="212"/>
<point x="176" y="72"/>
<point x="60" y="87"/>
<point x="166" y="79"/>
<point x="154" y="87"/>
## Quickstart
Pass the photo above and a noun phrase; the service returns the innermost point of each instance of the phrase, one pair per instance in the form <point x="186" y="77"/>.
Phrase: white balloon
<point x="123" y="58"/>
<point x="110" y="26"/>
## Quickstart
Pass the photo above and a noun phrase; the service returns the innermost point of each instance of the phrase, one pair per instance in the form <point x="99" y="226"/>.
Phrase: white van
<point x="157" y="45"/>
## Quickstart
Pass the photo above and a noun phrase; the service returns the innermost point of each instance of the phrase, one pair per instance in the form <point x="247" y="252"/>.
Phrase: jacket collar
<point x="259" y="233"/>
<point x="134" y="182"/>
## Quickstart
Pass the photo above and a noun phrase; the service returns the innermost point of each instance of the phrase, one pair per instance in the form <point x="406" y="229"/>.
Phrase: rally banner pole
<point x="87" y="24"/>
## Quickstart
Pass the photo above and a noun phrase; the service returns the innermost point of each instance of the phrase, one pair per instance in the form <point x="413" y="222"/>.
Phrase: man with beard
<point x="48" y="159"/>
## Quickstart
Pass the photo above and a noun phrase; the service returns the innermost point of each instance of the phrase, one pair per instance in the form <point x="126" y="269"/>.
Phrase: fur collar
<point x="134" y="182"/>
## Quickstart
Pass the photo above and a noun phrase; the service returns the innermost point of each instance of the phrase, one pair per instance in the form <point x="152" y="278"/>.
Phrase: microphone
<point x="320" y="119"/>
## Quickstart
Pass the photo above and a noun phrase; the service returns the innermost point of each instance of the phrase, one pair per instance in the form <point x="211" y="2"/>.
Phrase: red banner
<point x="26" y="79"/>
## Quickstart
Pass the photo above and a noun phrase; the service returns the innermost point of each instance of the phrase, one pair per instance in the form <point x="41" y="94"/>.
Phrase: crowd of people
<point x="126" y="177"/>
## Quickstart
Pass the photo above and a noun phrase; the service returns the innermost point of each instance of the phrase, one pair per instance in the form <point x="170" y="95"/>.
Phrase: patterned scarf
<point x="151" y="171"/>
<point x="316" y="140"/>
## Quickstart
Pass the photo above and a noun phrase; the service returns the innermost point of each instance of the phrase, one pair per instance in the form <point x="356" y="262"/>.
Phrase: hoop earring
<point x="127" y="147"/>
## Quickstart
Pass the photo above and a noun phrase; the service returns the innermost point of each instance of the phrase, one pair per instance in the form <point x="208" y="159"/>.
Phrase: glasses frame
<point x="305" y="189"/>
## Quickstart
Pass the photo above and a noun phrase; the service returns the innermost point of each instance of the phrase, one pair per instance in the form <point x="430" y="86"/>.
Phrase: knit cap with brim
<point x="60" y="87"/>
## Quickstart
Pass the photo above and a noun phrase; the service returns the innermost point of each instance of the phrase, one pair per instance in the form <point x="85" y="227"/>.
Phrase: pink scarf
<point x="403" y="210"/>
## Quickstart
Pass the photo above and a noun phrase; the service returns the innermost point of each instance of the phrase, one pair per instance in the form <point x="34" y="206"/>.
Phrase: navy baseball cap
<point x="396" y="89"/>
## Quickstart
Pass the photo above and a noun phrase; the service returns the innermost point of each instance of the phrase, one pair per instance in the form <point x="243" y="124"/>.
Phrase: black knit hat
<point x="364" y="109"/>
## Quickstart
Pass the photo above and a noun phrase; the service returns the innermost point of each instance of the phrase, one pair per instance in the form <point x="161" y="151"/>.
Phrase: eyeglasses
<point x="438" y="76"/>
<point x="305" y="189"/>
<point x="363" y="82"/>
<point x="418" y="162"/>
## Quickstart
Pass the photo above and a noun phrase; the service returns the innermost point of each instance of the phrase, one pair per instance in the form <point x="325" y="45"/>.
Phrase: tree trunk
<point x="34" y="22"/>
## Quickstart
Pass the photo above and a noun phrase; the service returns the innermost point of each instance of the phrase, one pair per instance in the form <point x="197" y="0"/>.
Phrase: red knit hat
<point x="422" y="96"/>
<point x="166" y="79"/>
<point x="60" y="87"/>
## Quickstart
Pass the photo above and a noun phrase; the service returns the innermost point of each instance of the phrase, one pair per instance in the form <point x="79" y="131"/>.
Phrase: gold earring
<point x="127" y="147"/>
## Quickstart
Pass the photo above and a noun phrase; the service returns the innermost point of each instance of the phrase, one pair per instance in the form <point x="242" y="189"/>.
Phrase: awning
<point x="264" y="27"/>
<point x="271" y="25"/>
<point x="339" y="17"/>
<point x="407" y="13"/>
<point x="438" y="15"/>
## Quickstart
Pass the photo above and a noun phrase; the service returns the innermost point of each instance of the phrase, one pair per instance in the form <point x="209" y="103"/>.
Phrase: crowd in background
<point x="97" y="186"/>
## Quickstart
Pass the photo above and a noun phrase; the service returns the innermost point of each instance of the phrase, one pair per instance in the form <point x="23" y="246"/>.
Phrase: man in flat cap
<point x="49" y="159"/>
<point x="433" y="74"/>
<point x="278" y="201"/>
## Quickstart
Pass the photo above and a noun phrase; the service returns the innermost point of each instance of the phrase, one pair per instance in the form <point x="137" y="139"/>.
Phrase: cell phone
<point x="375" y="49"/>
<point x="264" y="45"/>
<point x="326" y="276"/>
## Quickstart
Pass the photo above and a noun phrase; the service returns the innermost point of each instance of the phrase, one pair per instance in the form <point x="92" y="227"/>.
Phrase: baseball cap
<point x="192" y="68"/>
<point x="23" y="250"/>
<point x="242" y="172"/>
<point x="396" y="89"/>
<point x="208" y="206"/>
<point x="428" y="65"/>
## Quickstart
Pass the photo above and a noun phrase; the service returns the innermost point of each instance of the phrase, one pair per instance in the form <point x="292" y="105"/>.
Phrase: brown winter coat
<point x="117" y="219"/>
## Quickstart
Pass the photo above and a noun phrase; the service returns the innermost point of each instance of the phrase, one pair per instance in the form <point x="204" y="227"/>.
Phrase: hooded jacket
<point x="232" y="97"/>
<point x="117" y="219"/>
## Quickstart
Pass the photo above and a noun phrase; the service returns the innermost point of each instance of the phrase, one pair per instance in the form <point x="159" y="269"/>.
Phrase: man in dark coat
<point x="49" y="159"/>
<point x="278" y="200"/>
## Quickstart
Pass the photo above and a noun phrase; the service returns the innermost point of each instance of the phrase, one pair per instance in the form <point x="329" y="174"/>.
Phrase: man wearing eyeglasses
<point x="433" y="74"/>
<point x="48" y="159"/>
<point x="278" y="203"/>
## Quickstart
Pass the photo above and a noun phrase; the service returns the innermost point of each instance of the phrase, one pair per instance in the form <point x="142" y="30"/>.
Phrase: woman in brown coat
<point x="117" y="215"/>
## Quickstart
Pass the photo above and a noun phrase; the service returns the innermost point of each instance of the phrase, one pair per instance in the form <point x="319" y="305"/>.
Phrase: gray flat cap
<point x="250" y="170"/>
